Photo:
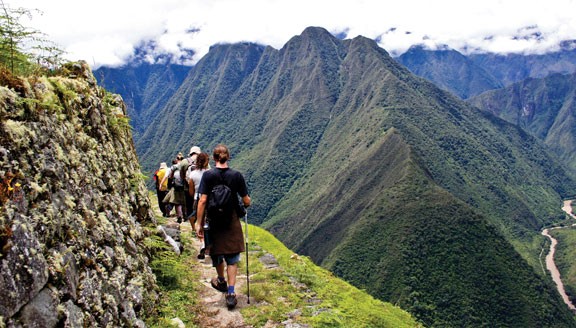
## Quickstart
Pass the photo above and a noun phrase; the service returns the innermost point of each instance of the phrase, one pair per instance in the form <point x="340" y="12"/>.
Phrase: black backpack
<point x="220" y="203"/>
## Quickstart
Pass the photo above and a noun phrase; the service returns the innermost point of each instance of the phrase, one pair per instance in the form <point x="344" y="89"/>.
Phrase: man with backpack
<point x="187" y="165"/>
<point x="219" y="191"/>
<point x="176" y="196"/>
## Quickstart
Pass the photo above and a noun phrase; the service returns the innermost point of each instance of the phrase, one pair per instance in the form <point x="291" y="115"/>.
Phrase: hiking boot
<point x="202" y="253"/>
<point x="179" y="220"/>
<point x="231" y="301"/>
<point x="219" y="286"/>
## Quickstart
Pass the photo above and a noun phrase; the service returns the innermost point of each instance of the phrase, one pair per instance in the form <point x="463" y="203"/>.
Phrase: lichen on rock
<point x="72" y="206"/>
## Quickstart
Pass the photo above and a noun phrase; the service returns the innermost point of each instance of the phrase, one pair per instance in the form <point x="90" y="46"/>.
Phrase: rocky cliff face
<point x="72" y="205"/>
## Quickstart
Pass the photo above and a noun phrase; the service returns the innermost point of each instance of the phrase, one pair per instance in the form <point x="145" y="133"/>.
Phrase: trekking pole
<point x="247" y="271"/>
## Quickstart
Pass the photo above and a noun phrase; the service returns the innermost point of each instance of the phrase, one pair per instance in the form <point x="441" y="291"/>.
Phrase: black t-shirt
<point x="232" y="178"/>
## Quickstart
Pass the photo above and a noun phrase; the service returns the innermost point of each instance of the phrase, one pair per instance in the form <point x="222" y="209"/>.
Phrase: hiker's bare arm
<point x="191" y="188"/>
<point x="200" y="214"/>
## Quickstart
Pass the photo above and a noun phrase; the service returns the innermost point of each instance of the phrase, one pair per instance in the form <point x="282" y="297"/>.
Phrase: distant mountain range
<point x="468" y="76"/>
<point x="145" y="89"/>
<point x="544" y="107"/>
<point x="379" y="175"/>
<point x="536" y="92"/>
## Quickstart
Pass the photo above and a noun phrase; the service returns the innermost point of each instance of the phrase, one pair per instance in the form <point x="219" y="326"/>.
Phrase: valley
<point x="343" y="146"/>
<point x="551" y="265"/>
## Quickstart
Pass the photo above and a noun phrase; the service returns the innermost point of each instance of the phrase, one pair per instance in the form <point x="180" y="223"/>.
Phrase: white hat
<point x="163" y="165"/>
<point x="194" y="150"/>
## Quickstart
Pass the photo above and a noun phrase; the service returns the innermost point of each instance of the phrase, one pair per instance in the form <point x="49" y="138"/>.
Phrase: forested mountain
<point x="145" y="88"/>
<point x="511" y="68"/>
<point x="450" y="70"/>
<point x="538" y="97"/>
<point x="468" y="76"/>
<point x="545" y="107"/>
<point x="393" y="184"/>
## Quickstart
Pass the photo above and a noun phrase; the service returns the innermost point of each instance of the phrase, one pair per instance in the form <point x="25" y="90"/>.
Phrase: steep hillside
<point x="350" y="158"/>
<point x="512" y="68"/>
<point x="406" y="240"/>
<point x="544" y="107"/>
<point x="285" y="289"/>
<point x="145" y="89"/>
<point x="72" y="201"/>
<point x="450" y="70"/>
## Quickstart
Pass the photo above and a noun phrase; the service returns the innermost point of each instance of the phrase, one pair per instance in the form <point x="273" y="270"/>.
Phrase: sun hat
<point x="194" y="150"/>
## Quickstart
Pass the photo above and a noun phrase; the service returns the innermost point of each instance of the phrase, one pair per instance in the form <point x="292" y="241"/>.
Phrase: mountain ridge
<point x="320" y="108"/>
<point x="144" y="89"/>
<point x="544" y="107"/>
<point x="450" y="70"/>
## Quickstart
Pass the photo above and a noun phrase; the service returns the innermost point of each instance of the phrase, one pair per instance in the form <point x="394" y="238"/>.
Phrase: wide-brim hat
<point x="194" y="150"/>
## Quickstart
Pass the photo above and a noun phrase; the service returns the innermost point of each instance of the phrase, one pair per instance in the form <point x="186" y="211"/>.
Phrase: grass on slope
<point x="314" y="294"/>
<point x="296" y="290"/>
<point x="177" y="278"/>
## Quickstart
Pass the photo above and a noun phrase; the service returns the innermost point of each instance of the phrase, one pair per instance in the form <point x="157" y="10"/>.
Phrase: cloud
<point x="108" y="32"/>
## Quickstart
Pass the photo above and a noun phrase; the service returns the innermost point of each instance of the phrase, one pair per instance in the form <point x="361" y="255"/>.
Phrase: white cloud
<point x="106" y="32"/>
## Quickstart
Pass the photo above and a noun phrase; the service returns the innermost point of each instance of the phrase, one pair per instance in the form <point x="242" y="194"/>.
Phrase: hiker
<point x="195" y="176"/>
<point x="176" y="194"/>
<point x="226" y="237"/>
<point x="186" y="167"/>
<point x="161" y="188"/>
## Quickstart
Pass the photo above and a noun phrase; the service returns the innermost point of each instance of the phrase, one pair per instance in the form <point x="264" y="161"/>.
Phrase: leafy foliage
<point x="22" y="49"/>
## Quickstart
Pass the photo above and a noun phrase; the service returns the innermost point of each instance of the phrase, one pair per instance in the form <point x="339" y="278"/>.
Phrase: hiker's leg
<point x="231" y="270"/>
<point x="220" y="269"/>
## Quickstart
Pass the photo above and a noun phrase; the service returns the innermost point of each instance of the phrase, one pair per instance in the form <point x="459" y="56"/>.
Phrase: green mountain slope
<point x="512" y="68"/>
<point x="408" y="241"/>
<point x="368" y="169"/>
<point x="544" y="107"/>
<point x="145" y="89"/>
<point x="450" y="70"/>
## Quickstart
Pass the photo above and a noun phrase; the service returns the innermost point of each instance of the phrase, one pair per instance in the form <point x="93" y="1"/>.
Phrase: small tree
<point x="22" y="49"/>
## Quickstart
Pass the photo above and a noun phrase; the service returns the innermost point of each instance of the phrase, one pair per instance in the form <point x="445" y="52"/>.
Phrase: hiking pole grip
<point x="247" y="270"/>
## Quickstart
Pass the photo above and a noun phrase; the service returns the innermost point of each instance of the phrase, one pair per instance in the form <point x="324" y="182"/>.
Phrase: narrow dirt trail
<point x="214" y="313"/>
<point x="551" y="265"/>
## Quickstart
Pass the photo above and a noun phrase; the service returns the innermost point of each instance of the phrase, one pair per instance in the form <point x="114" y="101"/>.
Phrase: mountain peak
<point x="316" y="31"/>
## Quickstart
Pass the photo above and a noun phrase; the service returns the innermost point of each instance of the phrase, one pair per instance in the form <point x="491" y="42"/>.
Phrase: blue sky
<point x="106" y="32"/>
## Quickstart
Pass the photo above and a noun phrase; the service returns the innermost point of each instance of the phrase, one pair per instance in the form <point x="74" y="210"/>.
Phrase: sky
<point x="107" y="32"/>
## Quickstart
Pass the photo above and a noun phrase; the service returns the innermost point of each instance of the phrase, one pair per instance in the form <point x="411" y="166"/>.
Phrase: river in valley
<point x="550" y="265"/>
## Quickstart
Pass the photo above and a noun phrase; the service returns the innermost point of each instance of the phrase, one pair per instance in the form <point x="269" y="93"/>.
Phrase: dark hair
<point x="201" y="161"/>
<point x="221" y="154"/>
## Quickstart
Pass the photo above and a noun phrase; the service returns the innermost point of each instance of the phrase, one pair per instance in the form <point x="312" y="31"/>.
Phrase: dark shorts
<point x="229" y="258"/>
